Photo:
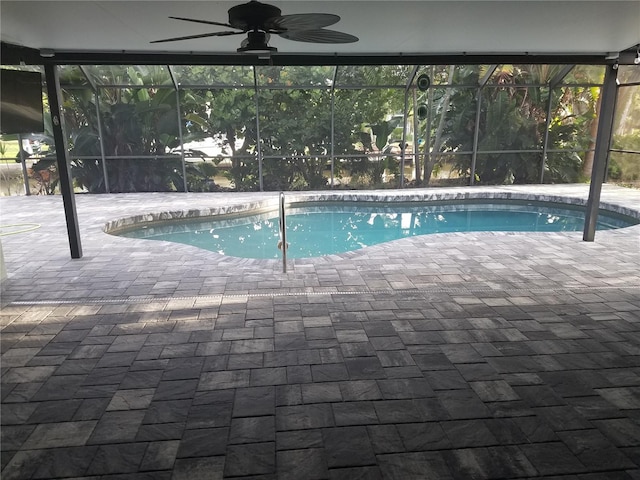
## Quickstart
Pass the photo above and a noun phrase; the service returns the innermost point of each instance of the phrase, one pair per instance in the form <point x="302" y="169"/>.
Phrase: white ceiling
<point x="384" y="27"/>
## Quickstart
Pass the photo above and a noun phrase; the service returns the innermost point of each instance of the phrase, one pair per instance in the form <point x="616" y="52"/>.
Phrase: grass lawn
<point x="8" y="150"/>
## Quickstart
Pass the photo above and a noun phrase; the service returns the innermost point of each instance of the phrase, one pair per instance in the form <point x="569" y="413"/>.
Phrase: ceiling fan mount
<point x="259" y="20"/>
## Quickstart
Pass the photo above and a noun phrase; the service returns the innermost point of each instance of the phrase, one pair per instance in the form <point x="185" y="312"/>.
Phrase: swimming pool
<point x="317" y="229"/>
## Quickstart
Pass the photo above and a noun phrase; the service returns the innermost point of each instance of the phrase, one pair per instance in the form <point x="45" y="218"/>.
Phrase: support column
<point x="603" y="142"/>
<point x="62" y="160"/>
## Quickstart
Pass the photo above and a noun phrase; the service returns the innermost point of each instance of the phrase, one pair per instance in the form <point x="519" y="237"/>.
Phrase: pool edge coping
<point x="123" y="224"/>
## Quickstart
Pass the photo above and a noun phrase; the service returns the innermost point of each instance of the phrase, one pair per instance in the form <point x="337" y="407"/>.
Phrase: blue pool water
<point x="324" y="229"/>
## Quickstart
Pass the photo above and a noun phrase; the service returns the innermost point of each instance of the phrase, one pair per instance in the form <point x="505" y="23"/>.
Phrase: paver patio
<point x="476" y="355"/>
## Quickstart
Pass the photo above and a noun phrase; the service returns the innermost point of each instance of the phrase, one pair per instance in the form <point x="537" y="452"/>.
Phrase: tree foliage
<point x="512" y="126"/>
<point x="290" y="125"/>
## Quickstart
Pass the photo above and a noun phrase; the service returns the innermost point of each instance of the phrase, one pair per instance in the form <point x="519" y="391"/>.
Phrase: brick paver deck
<point x="476" y="355"/>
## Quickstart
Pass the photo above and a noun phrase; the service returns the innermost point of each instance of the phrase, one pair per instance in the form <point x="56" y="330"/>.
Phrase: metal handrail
<point x="283" y="234"/>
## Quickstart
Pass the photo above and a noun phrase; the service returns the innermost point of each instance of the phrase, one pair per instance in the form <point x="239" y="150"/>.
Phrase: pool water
<point x="329" y="228"/>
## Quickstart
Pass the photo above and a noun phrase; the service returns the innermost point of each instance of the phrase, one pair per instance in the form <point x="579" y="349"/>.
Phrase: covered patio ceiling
<point x="465" y="28"/>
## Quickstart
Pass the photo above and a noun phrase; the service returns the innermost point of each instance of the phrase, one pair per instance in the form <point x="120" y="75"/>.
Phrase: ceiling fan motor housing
<point x="252" y="16"/>
<point x="256" y="43"/>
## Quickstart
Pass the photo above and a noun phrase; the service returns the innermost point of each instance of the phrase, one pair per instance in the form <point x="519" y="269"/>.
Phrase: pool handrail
<point x="283" y="233"/>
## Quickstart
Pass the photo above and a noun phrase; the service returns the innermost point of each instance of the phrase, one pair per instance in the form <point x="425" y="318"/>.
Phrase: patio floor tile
<point x="480" y="355"/>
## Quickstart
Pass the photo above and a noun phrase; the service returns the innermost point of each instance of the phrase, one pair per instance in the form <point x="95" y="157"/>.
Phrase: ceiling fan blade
<point x="206" y="22"/>
<point x="202" y="35"/>
<point x="319" y="36"/>
<point x="302" y="21"/>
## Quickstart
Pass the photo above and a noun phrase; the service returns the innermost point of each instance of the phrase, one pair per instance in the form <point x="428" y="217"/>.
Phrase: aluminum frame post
<point x="416" y="157"/>
<point x="410" y="81"/>
<point x="476" y="131"/>
<point x="553" y="84"/>
<point x="476" y="134"/>
<point x="404" y="137"/>
<point x="603" y="141"/>
<point x="184" y="163"/>
<point x="105" y="172"/>
<point x="96" y="91"/>
<point x="23" y="161"/>
<point x="62" y="159"/>
<point x="427" y="134"/>
<point x="176" y="86"/>
<point x="259" y="147"/>
<point x="333" y="124"/>
<point x="545" y="143"/>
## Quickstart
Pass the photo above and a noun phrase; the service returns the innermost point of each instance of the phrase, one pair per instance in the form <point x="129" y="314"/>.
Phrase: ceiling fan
<point x="260" y="20"/>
